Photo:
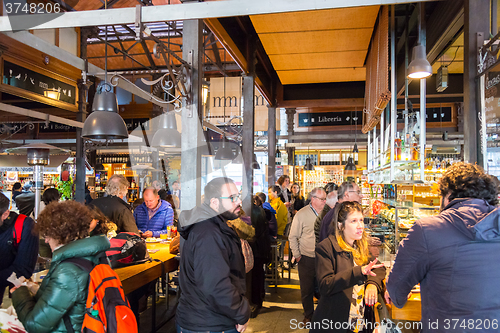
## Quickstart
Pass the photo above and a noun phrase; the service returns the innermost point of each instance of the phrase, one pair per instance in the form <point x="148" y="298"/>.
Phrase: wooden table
<point x="135" y="276"/>
<point x="411" y="311"/>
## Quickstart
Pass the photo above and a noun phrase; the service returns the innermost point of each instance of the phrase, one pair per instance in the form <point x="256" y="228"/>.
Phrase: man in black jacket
<point x="212" y="267"/>
<point x="19" y="258"/>
<point x="114" y="207"/>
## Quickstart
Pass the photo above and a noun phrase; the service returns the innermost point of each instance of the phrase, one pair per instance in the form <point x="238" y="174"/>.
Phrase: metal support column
<point x="192" y="52"/>
<point x="475" y="28"/>
<point x="248" y="129"/>
<point x="393" y="115"/>
<point x="81" y="116"/>
<point x="271" y="143"/>
<point x="423" y="110"/>
<point x="290" y="120"/>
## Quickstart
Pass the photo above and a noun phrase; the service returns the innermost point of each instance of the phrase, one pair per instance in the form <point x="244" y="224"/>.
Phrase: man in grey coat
<point x="454" y="256"/>
<point x="303" y="244"/>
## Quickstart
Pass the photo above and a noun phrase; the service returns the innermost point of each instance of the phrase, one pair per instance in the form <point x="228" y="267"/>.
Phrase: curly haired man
<point x="454" y="256"/>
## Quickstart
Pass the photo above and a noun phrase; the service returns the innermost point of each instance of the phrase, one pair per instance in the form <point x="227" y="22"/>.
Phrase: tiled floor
<point x="279" y="309"/>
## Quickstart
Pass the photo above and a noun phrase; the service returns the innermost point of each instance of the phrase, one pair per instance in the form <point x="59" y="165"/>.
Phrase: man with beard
<point x="212" y="267"/>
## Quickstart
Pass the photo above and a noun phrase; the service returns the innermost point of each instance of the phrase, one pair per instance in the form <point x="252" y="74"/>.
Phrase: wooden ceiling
<point x="453" y="57"/>
<point x="318" y="46"/>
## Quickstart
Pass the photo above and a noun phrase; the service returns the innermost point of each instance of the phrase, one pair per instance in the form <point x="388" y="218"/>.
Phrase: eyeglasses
<point x="233" y="198"/>
<point x="322" y="199"/>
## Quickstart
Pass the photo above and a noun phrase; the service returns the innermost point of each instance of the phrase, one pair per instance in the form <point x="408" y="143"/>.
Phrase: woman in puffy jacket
<point x="63" y="292"/>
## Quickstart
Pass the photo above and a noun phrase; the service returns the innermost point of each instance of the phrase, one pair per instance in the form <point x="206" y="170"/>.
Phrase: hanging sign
<point x="29" y="80"/>
<point x="330" y="118"/>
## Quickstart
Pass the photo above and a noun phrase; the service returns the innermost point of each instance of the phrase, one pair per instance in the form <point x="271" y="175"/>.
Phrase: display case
<point x="391" y="220"/>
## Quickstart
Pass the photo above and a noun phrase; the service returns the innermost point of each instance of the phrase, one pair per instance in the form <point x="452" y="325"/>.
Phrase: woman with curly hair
<point x="344" y="272"/>
<point x="63" y="292"/>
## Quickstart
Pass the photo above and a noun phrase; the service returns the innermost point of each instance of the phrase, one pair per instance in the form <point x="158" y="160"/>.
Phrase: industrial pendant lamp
<point x="308" y="166"/>
<point x="255" y="164"/>
<point x="104" y="122"/>
<point x="99" y="167"/>
<point x="419" y="68"/>
<point x="167" y="135"/>
<point x="350" y="166"/>
<point x="225" y="152"/>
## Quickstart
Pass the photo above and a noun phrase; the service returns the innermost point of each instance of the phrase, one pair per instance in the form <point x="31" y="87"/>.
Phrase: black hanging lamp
<point x="308" y="166"/>
<point x="99" y="167"/>
<point x="104" y="122"/>
<point x="350" y="166"/>
<point x="225" y="152"/>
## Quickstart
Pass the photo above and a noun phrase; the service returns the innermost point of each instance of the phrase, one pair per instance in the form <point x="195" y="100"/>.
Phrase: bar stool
<point x="272" y="274"/>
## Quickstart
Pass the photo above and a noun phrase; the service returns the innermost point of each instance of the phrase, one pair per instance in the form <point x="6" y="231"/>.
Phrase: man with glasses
<point x="348" y="191"/>
<point x="212" y="268"/>
<point x="303" y="245"/>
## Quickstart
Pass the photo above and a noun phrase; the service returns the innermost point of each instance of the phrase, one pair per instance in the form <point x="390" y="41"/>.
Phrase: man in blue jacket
<point x="154" y="215"/>
<point x="18" y="257"/>
<point x="454" y="256"/>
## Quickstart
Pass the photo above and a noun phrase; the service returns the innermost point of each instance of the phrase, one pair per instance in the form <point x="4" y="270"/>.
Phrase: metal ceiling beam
<point x="200" y="10"/>
<point x="148" y="54"/>
<point x="39" y="115"/>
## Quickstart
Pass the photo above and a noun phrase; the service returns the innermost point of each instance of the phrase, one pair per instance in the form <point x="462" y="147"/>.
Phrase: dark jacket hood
<point x="188" y="218"/>
<point x="475" y="218"/>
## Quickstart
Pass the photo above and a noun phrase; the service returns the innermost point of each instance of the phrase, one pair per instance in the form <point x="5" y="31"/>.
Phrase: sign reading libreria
<point x="26" y="79"/>
<point x="330" y="118"/>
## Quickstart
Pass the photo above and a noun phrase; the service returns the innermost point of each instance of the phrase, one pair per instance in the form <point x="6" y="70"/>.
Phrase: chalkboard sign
<point x="26" y="79"/>
<point x="434" y="115"/>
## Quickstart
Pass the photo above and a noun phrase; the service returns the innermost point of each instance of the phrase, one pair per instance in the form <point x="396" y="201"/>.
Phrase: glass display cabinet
<point x="392" y="219"/>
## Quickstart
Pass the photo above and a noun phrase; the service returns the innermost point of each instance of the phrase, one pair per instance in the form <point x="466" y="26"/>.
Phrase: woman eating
<point x="63" y="292"/>
<point x="349" y="278"/>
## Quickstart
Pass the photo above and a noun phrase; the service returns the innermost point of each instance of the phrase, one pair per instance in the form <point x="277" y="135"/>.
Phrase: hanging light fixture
<point x="104" y="122"/>
<point x="419" y="68"/>
<point x="350" y="166"/>
<point x="255" y="163"/>
<point x="167" y="135"/>
<point x="225" y="152"/>
<point x="99" y="167"/>
<point x="308" y="166"/>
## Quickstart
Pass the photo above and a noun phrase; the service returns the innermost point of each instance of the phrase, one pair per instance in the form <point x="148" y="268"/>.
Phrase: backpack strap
<point x="84" y="264"/>
<point x="17" y="231"/>
<point x="67" y="323"/>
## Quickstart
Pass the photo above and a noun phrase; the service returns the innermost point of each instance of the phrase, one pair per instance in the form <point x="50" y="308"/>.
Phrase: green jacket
<point x="63" y="290"/>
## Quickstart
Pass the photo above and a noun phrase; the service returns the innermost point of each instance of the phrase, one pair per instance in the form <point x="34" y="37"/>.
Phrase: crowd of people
<point x="226" y="251"/>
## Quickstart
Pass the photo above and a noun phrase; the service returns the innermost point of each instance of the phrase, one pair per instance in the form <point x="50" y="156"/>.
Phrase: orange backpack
<point x="107" y="308"/>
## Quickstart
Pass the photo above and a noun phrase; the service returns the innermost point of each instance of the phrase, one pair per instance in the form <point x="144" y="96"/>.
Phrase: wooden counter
<point x="135" y="276"/>
<point x="411" y="311"/>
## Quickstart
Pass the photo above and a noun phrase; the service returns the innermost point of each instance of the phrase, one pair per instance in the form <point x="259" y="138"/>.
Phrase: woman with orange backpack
<point x="59" y="305"/>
